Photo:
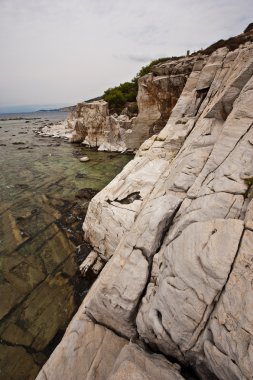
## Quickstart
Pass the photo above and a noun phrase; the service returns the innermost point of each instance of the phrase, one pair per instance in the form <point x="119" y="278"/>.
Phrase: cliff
<point x="176" y="230"/>
<point x="158" y="93"/>
<point x="93" y="126"/>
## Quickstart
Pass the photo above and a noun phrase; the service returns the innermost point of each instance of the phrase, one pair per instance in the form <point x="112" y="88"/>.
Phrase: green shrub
<point x="115" y="98"/>
<point x="118" y="96"/>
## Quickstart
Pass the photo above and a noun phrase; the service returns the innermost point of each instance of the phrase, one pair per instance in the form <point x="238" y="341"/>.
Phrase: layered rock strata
<point x="176" y="229"/>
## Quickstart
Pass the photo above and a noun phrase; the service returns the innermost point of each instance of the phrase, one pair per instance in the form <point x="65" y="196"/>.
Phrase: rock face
<point x="61" y="129"/>
<point x="158" y="93"/>
<point x="176" y="229"/>
<point x="93" y="126"/>
<point x="94" y="352"/>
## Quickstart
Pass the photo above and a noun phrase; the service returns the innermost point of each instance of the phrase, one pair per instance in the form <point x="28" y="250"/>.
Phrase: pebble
<point x="84" y="159"/>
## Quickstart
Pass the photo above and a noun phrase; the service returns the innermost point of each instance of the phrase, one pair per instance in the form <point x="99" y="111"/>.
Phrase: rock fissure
<point x="228" y="154"/>
<point x="216" y="300"/>
<point x="130" y="198"/>
<point x="171" y="227"/>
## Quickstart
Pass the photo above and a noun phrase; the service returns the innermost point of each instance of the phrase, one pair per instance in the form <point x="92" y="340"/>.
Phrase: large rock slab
<point x="93" y="126"/>
<point x="134" y="363"/>
<point x="193" y="272"/>
<point x="87" y="351"/>
<point x="228" y="342"/>
<point x="118" y="290"/>
<point x="92" y="352"/>
<point x="113" y="211"/>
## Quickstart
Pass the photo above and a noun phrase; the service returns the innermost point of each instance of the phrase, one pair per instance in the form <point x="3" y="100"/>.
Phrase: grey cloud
<point x="63" y="51"/>
<point x="140" y="58"/>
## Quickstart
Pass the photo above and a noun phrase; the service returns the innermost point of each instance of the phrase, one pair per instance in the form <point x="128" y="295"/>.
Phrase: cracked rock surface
<point x="176" y="230"/>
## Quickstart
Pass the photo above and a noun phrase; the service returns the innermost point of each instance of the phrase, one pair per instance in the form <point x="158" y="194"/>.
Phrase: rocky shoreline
<point x="175" y="229"/>
<point x="45" y="192"/>
<point x="92" y="124"/>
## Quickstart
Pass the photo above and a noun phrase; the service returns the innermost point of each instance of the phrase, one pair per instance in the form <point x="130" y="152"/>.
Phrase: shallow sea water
<point x="43" y="200"/>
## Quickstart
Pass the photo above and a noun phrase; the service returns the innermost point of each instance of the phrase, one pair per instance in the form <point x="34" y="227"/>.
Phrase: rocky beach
<point x="126" y="220"/>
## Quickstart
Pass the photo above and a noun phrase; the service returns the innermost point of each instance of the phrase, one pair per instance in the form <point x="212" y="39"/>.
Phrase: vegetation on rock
<point x="118" y="96"/>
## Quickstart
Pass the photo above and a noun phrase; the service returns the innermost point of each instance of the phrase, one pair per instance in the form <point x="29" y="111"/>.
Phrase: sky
<point x="60" y="52"/>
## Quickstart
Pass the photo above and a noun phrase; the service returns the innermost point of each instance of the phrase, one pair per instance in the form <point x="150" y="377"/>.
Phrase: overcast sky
<point x="60" y="52"/>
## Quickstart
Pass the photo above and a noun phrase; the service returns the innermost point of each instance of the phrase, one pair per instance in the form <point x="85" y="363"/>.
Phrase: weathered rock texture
<point x="176" y="227"/>
<point x="158" y="93"/>
<point x="91" y="351"/>
<point x="93" y="126"/>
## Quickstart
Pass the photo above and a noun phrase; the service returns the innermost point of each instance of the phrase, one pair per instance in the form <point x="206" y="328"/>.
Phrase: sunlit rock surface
<point x="176" y="229"/>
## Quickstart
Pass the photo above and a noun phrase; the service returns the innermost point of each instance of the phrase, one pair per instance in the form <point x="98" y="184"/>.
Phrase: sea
<point x="44" y="195"/>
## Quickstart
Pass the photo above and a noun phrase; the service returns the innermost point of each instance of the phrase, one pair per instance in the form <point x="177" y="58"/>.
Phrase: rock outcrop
<point x="176" y="230"/>
<point x="158" y="93"/>
<point x="93" y="126"/>
<point x="94" y="352"/>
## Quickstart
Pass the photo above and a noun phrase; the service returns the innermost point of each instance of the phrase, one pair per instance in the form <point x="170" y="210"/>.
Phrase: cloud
<point x="64" y="51"/>
<point x="142" y="58"/>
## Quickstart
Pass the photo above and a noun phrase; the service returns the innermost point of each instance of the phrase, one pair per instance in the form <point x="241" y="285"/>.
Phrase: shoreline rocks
<point x="92" y="125"/>
<point x="175" y="229"/>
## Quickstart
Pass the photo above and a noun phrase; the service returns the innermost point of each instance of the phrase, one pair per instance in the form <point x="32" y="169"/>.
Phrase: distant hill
<point x="68" y="108"/>
<point x="63" y="109"/>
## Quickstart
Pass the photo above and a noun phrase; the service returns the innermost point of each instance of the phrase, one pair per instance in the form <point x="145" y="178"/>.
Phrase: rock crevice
<point x="176" y="228"/>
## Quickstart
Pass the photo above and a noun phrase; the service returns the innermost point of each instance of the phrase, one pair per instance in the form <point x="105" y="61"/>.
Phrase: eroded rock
<point x="176" y="229"/>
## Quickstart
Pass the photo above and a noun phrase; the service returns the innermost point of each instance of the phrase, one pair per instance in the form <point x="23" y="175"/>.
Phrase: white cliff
<point x="176" y="229"/>
<point x="158" y="92"/>
<point x="93" y="126"/>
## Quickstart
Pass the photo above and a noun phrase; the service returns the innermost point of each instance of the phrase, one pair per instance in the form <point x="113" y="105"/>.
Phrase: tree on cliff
<point x="118" y="96"/>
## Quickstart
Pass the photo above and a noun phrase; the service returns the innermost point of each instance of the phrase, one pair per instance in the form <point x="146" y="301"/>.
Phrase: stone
<point x="61" y="129"/>
<point x="93" y="126"/>
<point x="92" y="263"/>
<point x="112" y="212"/>
<point x="84" y="159"/>
<point x="90" y="351"/>
<point x="209" y="70"/>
